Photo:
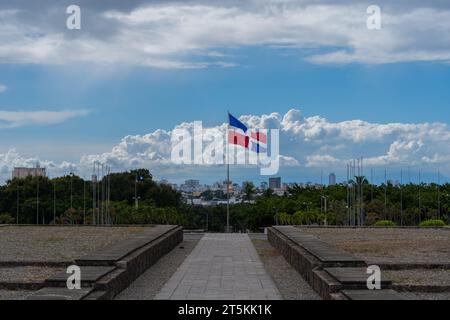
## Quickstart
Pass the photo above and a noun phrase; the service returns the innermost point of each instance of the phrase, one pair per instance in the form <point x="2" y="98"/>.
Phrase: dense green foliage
<point x="385" y="223"/>
<point x="432" y="223"/>
<point x="159" y="203"/>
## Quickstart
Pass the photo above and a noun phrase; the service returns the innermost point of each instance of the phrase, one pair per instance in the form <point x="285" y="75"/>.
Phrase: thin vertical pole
<point x="385" y="193"/>
<point x="93" y="195"/>
<point x="348" y="197"/>
<point x="439" y="193"/>
<point x="401" y="197"/>
<point x="102" y="195"/>
<point x="228" y="178"/>
<point x="98" y="194"/>
<point x="37" y="200"/>
<point x="362" y="191"/>
<point x="54" y="202"/>
<point x="228" y="197"/>
<point x="321" y="190"/>
<point x="71" y="190"/>
<point x="84" y="201"/>
<point x="420" y="195"/>
<point x="135" y="191"/>
<point x="17" y="217"/>
<point x="371" y="184"/>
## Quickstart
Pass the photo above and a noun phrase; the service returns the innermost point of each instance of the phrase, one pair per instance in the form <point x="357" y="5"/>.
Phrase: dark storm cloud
<point x="155" y="33"/>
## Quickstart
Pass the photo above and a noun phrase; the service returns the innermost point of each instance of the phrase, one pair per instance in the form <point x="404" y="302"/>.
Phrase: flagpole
<point x="228" y="179"/>
<point x="228" y="197"/>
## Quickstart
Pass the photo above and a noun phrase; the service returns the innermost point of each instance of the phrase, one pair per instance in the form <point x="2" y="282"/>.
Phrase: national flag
<point x="235" y="123"/>
<point x="237" y="132"/>
<point x="259" y="142"/>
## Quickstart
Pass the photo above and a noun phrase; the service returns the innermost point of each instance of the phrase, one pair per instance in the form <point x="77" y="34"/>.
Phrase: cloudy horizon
<point x="306" y="143"/>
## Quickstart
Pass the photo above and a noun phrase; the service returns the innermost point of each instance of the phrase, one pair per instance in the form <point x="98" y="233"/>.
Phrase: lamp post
<point x="37" y="200"/>
<point x="54" y="201"/>
<point x="18" y="203"/>
<point x="307" y="205"/>
<point x="84" y="201"/>
<point x="325" y="201"/>
<point x="71" y="190"/>
<point x="276" y="215"/>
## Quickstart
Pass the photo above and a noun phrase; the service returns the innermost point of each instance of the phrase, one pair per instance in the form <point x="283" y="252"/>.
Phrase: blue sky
<point x="127" y="91"/>
<point x="137" y="101"/>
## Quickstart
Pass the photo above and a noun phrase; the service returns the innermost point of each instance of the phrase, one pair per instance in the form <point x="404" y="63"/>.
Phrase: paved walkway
<point x="222" y="266"/>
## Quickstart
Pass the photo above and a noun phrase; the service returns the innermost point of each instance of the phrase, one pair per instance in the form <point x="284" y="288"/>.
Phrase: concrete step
<point x="355" y="278"/>
<point x="89" y="275"/>
<point x="378" y="295"/>
<point x="59" y="293"/>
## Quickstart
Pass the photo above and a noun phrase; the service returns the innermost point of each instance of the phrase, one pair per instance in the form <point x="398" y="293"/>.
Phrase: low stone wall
<point x="302" y="261"/>
<point x="332" y="273"/>
<point x="113" y="269"/>
<point x="134" y="264"/>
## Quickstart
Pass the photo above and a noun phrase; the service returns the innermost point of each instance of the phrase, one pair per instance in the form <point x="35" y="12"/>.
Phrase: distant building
<point x="22" y="172"/>
<point x="164" y="181"/>
<point x="332" y="179"/>
<point x="275" y="183"/>
<point x="190" y="186"/>
<point x="263" y="185"/>
<point x="192" y="183"/>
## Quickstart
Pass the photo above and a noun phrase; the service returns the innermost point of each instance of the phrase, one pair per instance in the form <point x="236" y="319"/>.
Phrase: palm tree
<point x="249" y="190"/>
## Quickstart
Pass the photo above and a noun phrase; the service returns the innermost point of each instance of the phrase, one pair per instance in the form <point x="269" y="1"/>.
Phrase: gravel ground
<point x="426" y="296"/>
<point x="27" y="274"/>
<point x="420" y="277"/>
<point x="57" y="243"/>
<point x="389" y="245"/>
<point x="148" y="285"/>
<point x="288" y="281"/>
<point x="14" y="295"/>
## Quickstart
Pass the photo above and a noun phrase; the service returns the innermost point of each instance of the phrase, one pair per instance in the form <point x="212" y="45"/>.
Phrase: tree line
<point x="69" y="200"/>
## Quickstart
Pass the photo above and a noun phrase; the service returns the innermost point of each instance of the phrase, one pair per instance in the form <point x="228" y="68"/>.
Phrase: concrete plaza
<point x="221" y="266"/>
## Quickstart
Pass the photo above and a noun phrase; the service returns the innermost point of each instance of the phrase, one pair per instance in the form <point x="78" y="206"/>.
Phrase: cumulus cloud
<point x="173" y="34"/>
<point x="13" y="119"/>
<point x="305" y="143"/>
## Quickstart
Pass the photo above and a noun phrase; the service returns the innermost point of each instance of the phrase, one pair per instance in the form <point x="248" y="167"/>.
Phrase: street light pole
<point x="84" y="201"/>
<point x="17" y="217"/>
<point x="54" y="202"/>
<point x="37" y="201"/>
<point x="71" y="190"/>
<point x="439" y="194"/>
<point x="401" y="197"/>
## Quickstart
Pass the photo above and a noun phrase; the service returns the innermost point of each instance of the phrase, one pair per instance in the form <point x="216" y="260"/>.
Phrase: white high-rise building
<point x="23" y="172"/>
<point x="332" y="179"/>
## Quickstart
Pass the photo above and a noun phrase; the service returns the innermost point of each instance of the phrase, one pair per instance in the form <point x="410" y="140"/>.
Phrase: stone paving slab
<point x="222" y="266"/>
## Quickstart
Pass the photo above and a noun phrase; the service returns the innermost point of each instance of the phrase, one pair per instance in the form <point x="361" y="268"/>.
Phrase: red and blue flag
<point x="238" y="134"/>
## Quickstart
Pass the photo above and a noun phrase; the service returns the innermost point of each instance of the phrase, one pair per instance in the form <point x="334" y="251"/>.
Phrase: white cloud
<point x="169" y="35"/>
<point x="2" y="88"/>
<point x="13" y="119"/>
<point x="306" y="143"/>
